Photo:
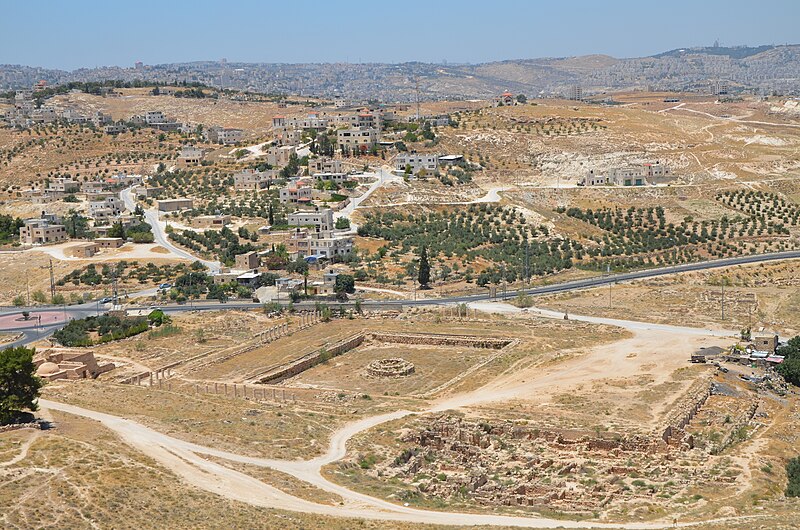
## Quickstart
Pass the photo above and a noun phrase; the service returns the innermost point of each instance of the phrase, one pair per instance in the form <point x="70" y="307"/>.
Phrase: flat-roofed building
<point x="416" y="162"/>
<point x="109" y="242"/>
<point x="41" y="232"/>
<point x="250" y="179"/>
<point x="144" y="192"/>
<point x="295" y="194"/>
<point x="114" y="129"/>
<point x="330" y="244"/>
<point x="321" y="219"/>
<point x="174" y="205"/>
<point x="279" y="156"/>
<point x="190" y="156"/>
<point x="85" y="250"/>
<point x="338" y="178"/>
<point x="356" y="140"/>
<point x="104" y="208"/>
<point x="211" y="221"/>
<point x="64" y="184"/>
<point x="247" y="261"/>
<point x="154" y="116"/>
<point x="324" y="164"/>
<point x="224" y="135"/>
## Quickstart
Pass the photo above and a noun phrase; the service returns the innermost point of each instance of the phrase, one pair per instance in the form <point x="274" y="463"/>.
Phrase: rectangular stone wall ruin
<point x="300" y="365"/>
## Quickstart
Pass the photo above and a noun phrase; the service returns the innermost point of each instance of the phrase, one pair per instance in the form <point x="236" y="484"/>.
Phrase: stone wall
<point x="685" y="409"/>
<point x="17" y="426"/>
<point x="440" y="340"/>
<point x="298" y="366"/>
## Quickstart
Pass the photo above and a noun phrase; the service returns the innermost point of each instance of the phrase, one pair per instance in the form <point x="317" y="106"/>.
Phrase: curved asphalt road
<point x="83" y="310"/>
<point x="160" y="235"/>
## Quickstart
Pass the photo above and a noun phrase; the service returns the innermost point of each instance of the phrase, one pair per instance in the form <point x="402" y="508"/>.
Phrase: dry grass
<point x="80" y="475"/>
<point x="760" y="295"/>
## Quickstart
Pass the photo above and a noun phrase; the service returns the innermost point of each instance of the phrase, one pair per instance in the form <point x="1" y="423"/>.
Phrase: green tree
<point x="157" y="317"/>
<point x="9" y="228"/>
<point x="19" y="385"/>
<point x="345" y="283"/>
<point x="291" y="167"/>
<point x="342" y="223"/>
<point x="793" y="476"/>
<point x="39" y="297"/>
<point x="117" y="230"/>
<point x="424" y="272"/>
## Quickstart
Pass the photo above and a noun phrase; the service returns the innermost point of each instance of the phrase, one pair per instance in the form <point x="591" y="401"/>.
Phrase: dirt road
<point x="668" y="345"/>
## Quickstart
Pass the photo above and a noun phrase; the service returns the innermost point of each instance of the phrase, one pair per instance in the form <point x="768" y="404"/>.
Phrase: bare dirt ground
<point x="535" y="384"/>
<point x="24" y="272"/>
<point x="758" y="296"/>
<point x="82" y="475"/>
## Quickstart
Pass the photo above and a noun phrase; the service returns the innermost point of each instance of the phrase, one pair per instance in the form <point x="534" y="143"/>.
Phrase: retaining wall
<point x="686" y="409"/>
<point x="440" y="340"/>
<point x="298" y="366"/>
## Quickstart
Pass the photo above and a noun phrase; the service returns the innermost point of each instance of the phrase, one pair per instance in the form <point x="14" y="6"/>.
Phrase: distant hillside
<point x="735" y="52"/>
<point x="760" y="68"/>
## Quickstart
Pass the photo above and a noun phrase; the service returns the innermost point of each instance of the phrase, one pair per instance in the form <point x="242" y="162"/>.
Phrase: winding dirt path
<point x="186" y="459"/>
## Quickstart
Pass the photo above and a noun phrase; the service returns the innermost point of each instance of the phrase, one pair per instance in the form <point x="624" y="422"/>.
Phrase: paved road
<point x="160" y="234"/>
<point x="82" y="310"/>
<point x="384" y="177"/>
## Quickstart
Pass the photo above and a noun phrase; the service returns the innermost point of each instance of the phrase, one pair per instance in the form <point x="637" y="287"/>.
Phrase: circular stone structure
<point x="395" y="367"/>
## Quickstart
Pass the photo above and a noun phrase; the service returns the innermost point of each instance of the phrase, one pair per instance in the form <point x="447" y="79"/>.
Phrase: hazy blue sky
<point x="77" y="33"/>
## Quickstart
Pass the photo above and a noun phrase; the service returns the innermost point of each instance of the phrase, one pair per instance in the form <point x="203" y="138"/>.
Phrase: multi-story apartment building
<point x="250" y="179"/>
<point x="279" y="156"/>
<point x="224" y="135"/>
<point x="321" y="219"/>
<point x="154" y="116"/>
<point x="190" y="156"/>
<point x="330" y="244"/>
<point x="415" y="162"/>
<point x="324" y="164"/>
<point x="356" y="140"/>
<point x="105" y="208"/>
<point x="287" y="135"/>
<point x="295" y="194"/>
<point x="327" y="244"/>
<point x="41" y="232"/>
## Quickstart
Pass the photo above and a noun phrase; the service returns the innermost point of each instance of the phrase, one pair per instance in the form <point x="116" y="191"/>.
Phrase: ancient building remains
<point x="54" y="364"/>
<point x="395" y="367"/>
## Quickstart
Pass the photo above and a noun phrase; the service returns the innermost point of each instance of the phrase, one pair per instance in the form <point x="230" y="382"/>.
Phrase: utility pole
<point x="722" y="300"/>
<point x="416" y="86"/>
<point x="528" y="263"/>
<point x="608" y="271"/>
<point x="52" y="282"/>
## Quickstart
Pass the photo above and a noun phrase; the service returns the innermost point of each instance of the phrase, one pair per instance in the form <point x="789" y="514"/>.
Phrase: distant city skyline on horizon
<point x="113" y="35"/>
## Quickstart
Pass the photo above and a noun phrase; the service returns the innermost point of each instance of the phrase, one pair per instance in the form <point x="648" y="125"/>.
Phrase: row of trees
<point x="77" y="332"/>
<point x="225" y="243"/>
